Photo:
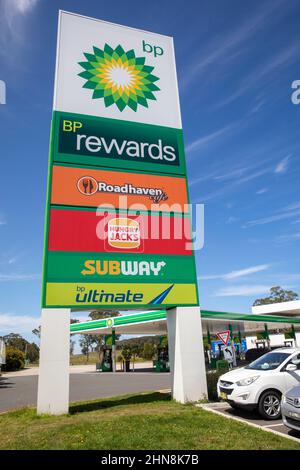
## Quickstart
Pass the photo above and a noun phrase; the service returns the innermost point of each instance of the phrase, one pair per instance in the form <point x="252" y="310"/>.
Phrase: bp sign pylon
<point x="117" y="178"/>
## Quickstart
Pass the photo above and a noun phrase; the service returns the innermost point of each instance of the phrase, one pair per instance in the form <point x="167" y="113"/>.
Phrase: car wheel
<point x="269" y="405"/>
<point x="233" y="405"/>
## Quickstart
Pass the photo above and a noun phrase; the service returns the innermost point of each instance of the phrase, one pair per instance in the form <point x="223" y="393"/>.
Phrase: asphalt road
<point x="252" y="417"/>
<point x="17" y="392"/>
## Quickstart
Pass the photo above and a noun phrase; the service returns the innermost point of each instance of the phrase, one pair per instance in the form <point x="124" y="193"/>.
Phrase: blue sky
<point x="236" y="62"/>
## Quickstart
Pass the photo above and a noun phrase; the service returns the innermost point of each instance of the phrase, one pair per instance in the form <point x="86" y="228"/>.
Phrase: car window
<point x="294" y="360"/>
<point x="269" y="361"/>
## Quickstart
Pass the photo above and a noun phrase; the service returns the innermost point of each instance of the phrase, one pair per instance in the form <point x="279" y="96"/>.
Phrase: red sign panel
<point x="89" y="231"/>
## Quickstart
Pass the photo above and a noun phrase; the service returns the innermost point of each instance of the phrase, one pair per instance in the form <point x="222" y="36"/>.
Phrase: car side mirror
<point x="291" y="367"/>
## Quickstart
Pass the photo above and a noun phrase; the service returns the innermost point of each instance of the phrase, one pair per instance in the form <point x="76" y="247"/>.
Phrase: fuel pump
<point x="161" y="363"/>
<point x="107" y="360"/>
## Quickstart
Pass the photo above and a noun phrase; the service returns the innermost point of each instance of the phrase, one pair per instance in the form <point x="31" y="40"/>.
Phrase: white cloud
<point x="291" y="207"/>
<point x="290" y="211"/>
<point x="247" y="271"/>
<point x="2" y="219"/>
<point x="15" y="7"/>
<point x="22" y="324"/>
<point x="271" y="218"/>
<point x="262" y="191"/>
<point x="227" y="46"/>
<point x="282" y="165"/>
<point x="12" y="15"/>
<point x="236" y="274"/>
<point x="18" y="277"/>
<point x="255" y="166"/>
<point x="206" y="139"/>
<point x="289" y="237"/>
<point x="22" y="5"/>
<point x="243" y="290"/>
<point x="257" y="106"/>
<point x="260" y="74"/>
<point x="231" y="220"/>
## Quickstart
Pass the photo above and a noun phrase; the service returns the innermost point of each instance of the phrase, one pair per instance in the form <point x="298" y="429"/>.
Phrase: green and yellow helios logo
<point x="119" y="77"/>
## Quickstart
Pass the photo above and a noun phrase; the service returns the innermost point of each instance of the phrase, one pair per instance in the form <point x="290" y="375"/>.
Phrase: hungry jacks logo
<point x="123" y="233"/>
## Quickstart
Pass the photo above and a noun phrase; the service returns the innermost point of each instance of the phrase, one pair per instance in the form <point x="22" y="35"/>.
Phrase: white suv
<point x="261" y="383"/>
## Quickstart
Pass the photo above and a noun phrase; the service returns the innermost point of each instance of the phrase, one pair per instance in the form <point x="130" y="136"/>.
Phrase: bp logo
<point x="119" y="77"/>
<point x="110" y="322"/>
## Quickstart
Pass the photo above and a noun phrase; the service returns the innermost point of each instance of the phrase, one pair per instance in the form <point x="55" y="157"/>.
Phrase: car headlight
<point x="248" y="381"/>
<point x="283" y="398"/>
<point x="296" y="402"/>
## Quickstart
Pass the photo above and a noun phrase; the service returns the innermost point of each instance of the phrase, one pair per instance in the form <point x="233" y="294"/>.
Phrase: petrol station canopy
<point x="155" y="322"/>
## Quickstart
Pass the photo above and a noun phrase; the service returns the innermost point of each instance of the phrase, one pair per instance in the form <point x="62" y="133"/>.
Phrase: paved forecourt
<point x="21" y="391"/>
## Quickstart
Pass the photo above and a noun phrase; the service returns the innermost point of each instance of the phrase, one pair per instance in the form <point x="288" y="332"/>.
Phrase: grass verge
<point x="144" y="421"/>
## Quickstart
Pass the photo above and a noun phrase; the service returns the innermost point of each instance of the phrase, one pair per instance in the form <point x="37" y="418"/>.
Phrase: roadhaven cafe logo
<point x="119" y="77"/>
<point x="88" y="186"/>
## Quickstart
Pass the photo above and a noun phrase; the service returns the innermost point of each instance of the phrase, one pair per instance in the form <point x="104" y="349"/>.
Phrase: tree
<point x="72" y="341"/>
<point x="277" y="295"/>
<point x="86" y="342"/>
<point x="14" y="340"/>
<point x="136" y="351"/>
<point x="37" y="332"/>
<point x="100" y="314"/>
<point x="148" y="351"/>
<point x="126" y="353"/>
<point x="72" y="346"/>
<point x="15" y="359"/>
<point x="32" y="352"/>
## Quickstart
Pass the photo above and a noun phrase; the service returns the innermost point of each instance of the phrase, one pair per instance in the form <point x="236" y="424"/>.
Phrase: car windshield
<point x="269" y="361"/>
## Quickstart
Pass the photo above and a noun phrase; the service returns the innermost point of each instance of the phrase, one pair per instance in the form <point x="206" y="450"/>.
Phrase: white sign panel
<point x="117" y="72"/>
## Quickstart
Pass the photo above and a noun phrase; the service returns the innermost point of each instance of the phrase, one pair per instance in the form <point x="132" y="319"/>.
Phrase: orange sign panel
<point x="88" y="187"/>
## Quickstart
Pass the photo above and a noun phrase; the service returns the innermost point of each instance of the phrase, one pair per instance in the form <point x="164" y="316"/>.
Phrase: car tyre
<point x="269" y="405"/>
<point x="233" y="405"/>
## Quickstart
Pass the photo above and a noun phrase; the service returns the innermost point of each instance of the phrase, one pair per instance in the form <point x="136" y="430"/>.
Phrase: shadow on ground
<point x="294" y="433"/>
<point x="110" y="403"/>
<point x="4" y="383"/>
<point x="246" y="414"/>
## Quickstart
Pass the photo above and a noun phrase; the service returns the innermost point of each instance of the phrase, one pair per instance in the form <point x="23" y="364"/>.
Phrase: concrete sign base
<point x="53" y="385"/>
<point x="186" y="354"/>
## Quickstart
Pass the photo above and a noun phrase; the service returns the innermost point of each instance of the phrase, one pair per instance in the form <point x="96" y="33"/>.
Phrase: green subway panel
<point x="117" y="267"/>
<point x="111" y="143"/>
